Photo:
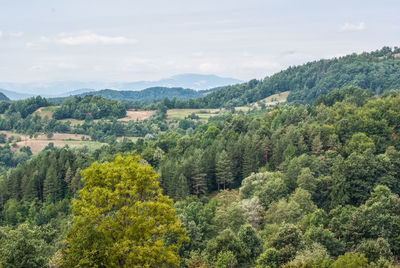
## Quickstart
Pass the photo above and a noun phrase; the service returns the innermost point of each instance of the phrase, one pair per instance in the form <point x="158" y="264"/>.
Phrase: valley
<point x="248" y="175"/>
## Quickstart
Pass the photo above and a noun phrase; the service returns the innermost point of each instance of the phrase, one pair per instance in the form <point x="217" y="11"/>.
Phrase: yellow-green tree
<point x="122" y="219"/>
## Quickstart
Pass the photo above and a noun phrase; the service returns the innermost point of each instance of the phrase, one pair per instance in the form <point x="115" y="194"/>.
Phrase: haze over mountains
<point x="17" y="91"/>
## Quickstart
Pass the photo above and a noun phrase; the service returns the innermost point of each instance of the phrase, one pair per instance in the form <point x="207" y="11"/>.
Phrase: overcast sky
<point x="116" y="40"/>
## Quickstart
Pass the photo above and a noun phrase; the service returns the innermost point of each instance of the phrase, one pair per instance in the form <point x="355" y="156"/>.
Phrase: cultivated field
<point x="182" y="113"/>
<point x="59" y="140"/>
<point x="132" y="115"/>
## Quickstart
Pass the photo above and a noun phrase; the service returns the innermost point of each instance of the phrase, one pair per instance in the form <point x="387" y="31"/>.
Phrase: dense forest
<point x="141" y="98"/>
<point x="294" y="186"/>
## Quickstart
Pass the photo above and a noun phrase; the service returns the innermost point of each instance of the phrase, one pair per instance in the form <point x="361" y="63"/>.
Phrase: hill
<point x="148" y="95"/>
<point x="378" y="71"/>
<point x="301" y="184"/>
<point x="3" y="97"/>
<point x="13" y="95"/>
<point x="67" y="88"/>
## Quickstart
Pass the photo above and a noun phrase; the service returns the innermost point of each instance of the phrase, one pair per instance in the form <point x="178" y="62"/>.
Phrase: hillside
<point x="378" y="71"/>
<point x="3" y="97"/>
<point x="294" y="185"/>
<point x="153" y="94"/>
<point x="15" y="95"/>
<point x="145" y="96"/>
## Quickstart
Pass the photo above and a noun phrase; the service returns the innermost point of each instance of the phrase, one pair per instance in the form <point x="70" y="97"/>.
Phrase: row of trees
<point x="89" y="107"/>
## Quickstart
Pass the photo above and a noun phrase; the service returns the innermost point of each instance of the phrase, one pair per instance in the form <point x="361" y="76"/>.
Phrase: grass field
<point x="175" y="114"/>
<point x="59" y="140"/>
<point x="43" y="111"/>
<point x="269" y="101"/>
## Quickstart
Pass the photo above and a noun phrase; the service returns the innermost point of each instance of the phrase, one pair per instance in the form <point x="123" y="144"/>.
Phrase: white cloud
<point x="352" y="27"/>
<point x="1" y="34"/>
<point x="210" y="67"/>
<point x="82" y="39"/>
<point x="260" y="64"/>
<point x="94" y="39"/>
<point x="16" y="34"/>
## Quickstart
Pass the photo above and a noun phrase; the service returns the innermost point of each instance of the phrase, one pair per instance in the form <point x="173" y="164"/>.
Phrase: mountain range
<point x="17" y="91"/>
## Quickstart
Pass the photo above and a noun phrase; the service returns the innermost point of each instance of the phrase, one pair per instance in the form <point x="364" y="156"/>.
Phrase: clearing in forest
<point x="132" y="115"/>
<point x="182" y="113"/>
<point x="58" y="139"/>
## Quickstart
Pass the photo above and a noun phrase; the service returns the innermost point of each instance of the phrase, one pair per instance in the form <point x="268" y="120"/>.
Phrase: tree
<point x="223" y="168"/>
<point x="351" y="259"/>
<point x="122" y="219"/>
<point x="199" y="180"/>
<point x="307" y="181"/>
<point x="23" y="247"/>
<point x="226" y="241"/>
<point x="251" y="242"/>
<point x="375" y="249"/>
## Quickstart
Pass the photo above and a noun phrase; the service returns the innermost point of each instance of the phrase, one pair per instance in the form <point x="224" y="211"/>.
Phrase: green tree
<point x="223" y="170"/>
<point x="122" y="219"/>
<point x="24" y="247"/>
<point x="351" y="260"/>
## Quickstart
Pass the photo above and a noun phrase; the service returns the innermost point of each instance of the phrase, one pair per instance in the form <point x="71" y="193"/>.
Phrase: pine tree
<point x="316" y="146"/>
<point x="68" y="177"/>
<point x="182" y="187"/>
<point x="223" y="168"/>
<point x="51" y="185"/>
<point x="199" y="180"/>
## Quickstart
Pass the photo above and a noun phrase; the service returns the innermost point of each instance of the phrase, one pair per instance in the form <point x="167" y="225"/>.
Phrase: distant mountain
<point x="77" y="92"/>
<point x="3" y="97"/>
<point x="15" y="95"/>
<point x="148" y="95"/>
<point x="68" y="88"/>
<point x="193" y="81"/>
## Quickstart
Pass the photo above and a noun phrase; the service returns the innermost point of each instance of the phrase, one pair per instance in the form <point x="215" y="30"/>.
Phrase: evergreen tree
<point x="51" y="185"/>
<point x="223" y="170"/>
<point x="199" y="180"/>
<point x="182" y="187"/>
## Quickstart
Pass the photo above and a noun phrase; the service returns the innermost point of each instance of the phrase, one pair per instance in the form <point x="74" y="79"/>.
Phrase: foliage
<point x="89" y="107"/>
<point x="122" y="219"/>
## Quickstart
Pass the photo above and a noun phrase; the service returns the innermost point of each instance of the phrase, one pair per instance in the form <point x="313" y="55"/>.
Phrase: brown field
<point x="43" y="111"/>
<point x="59" y="139"/>
<point x="182" y="113"/>
<point x="132" y="115"/>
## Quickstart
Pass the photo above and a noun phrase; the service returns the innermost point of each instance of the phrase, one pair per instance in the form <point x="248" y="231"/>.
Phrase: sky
<point x="117" y="40"/>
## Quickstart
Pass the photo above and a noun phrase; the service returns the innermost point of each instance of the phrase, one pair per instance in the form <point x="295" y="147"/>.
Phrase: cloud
<point x="16" y="34"/>
<point x="94" y="39"/>
<point x="260" y="64"/>
<point x="82" y="39"/>
<point x="352" y="27"/>
<point x="1" y="34"/>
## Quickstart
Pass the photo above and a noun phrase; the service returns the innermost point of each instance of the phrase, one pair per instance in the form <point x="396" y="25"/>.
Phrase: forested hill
<point x="378" y="70"/>
<point x="3" y="97"/>
<point x="304" y="186"/>
<point x="149" y="95"/>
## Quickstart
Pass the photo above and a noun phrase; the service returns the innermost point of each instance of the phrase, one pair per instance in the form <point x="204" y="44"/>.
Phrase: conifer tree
<point x="223" y="168"/>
